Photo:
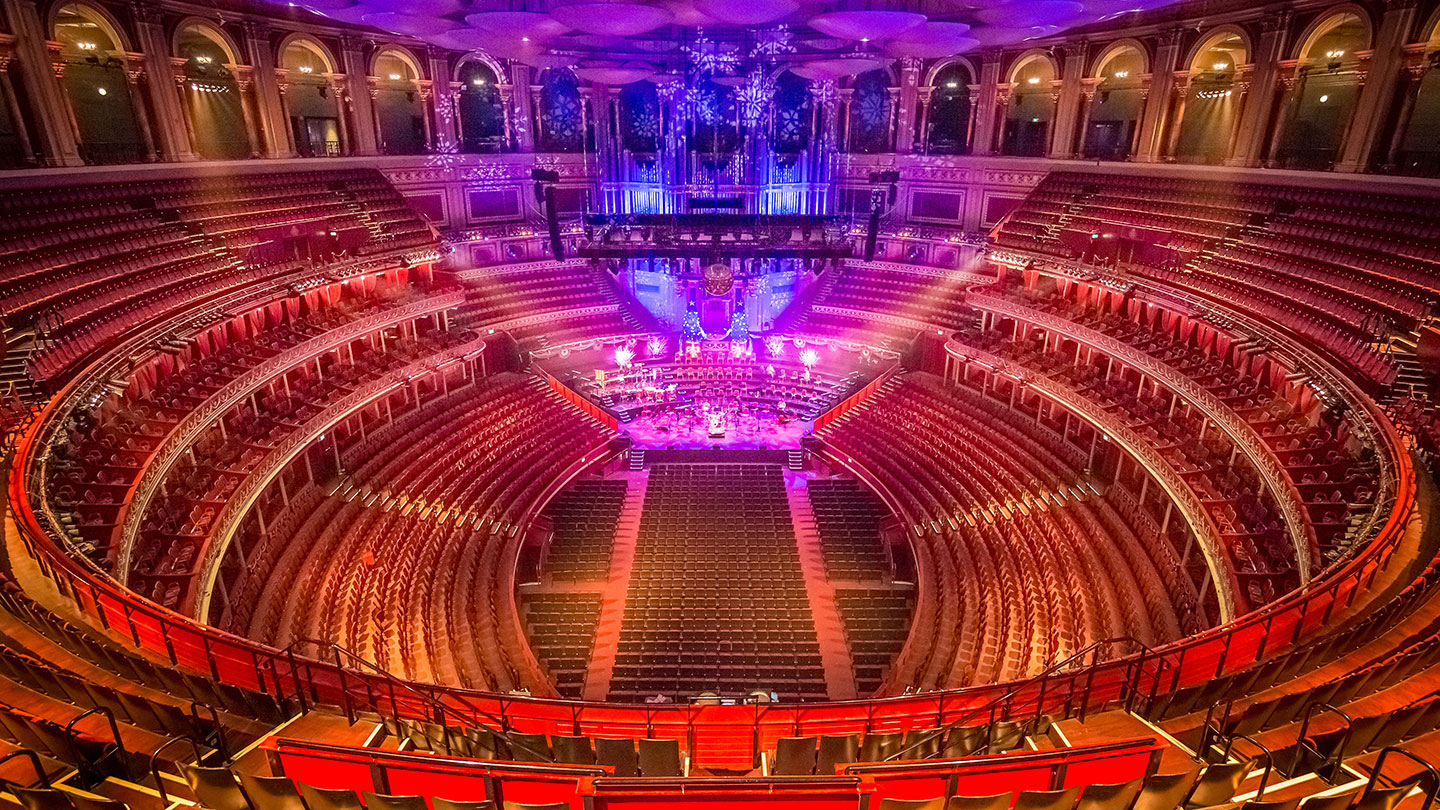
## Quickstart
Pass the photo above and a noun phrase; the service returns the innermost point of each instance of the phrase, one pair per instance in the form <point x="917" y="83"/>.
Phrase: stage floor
<point x="688" y="429"/>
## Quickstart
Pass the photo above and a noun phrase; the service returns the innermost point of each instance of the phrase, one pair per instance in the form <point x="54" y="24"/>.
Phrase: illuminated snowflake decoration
<point x="445" y="157"/>
<point x="774" y="42"/>
<point x="710" y="58"/>
<point x="755" y="97"/>
<point x="826" y="92"/>
<point x="775" y="345"/>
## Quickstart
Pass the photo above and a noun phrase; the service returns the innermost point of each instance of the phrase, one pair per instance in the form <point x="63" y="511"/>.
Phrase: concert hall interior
<point x="626" y="404"/>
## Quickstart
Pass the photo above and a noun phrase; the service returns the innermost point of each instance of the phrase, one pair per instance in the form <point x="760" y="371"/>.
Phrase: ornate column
<point x="536" y="117"/>
<point x="177" y="78"/>
<point x="134" y="71"/>
<point x="1156" y="115"/>
<point x="1261" y="100"/>
<point x="273" y="121"/>
<point x="1002" y="118"/>
<point x="921" y="134"/>
<point x="158" y="82"/>
<point x="1294" y="87"/>
<point x="1172" y="134"/>
<point x="846" y="95"/>
<point x="1414" y="77"/>
<point x="342" y="114"/>
<point x="1087" y="106"/>
<point x="1067" y="102"/>
<point x="987" y="104"/>
<point x="972" y="111"/>
<point x="443" y="100"/>
<point x="1372" y="108"/>
<point x="245" y="82"/>
<point x="57" y="66"/>
<point x="54" y="133"/>
<point x="12" y="106"/>
<point x="909" y="105"/>
<point x="426" y="92"/>
<point x="365" y="136"/>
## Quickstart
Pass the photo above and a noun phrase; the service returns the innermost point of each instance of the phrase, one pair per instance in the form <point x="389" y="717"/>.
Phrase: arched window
<point x="640" y="118"/>
<point x="310" y="101"/>
<point x="949" y="122"/>
<point x="562" y="120"/>
<point x="95" y="83"/>
<point x="870" y="113"/>
<point x="714" y="133"/>
<point x="1027" y="118"/>
<point x="1326" y="88"/>
<point x="791" y="121"/>
<point x="217" y="118"/>
<point x="482" y="115"/>
<point x="398" y="105"/>
<point x="1417" y="150"/>
<point x="1115" y="110"/>
<point x="1212" y="103"/>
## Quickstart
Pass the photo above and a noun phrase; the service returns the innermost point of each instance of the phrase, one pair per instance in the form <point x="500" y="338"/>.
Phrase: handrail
<point x="103" y="711"/>
<point x="1301" y="746"/>
<point x="438" y="706"/>
<point x="1091" y="648"/>
<point x="1264" y="751"/>
<point x="154" y="764"/>
<point x="215" y="719"/>
<point x="44" y="778"/>
<point x="1434" y="774"/>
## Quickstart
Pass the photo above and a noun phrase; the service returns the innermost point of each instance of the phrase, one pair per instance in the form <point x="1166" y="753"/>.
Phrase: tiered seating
<point x="562" y="629"/>
<point x="82" y="265"/>
<point x="405" y="562"/>
<point x="584" y="517"/>
<point x="1342" y="269"/>
<point x="716" y="600"/>
<point x="874" y="610"/>
<point x="1025" y="568"/>
<point x="920" y="297"/>
<point x="745" y="383"/>
<point x="500" y="295"/>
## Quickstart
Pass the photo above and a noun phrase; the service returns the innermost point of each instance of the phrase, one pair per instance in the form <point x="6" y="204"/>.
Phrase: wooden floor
<point x="1122" y="725"/>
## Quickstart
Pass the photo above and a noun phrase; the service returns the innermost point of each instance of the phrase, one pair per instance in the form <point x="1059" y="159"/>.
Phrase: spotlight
<point x="1324" y="99"/>
<point x="809" y="357"/>
<point x="624" y="355"/>
<point x="952" y="85"/>
<point x="204" y="60"/>
<point x="306" y="69"/>
<point x="1033" y="80"/>
<point x="1122" y="74"/>
<point x="102" y="91"/>
<point x="394" y="77"/>
<point x="478" y="82"/>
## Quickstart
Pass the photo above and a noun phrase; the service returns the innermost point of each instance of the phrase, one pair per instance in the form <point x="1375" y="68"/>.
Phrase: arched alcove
<point x="398" y="106"/>
<point x="949" y="121"/>
<point x="1326" y="89"/>
<point x="217" y="117"/>
<point x="640" y="119"/>
<point x="870" y="112"/>
<point x="309" y="100"/>
<point x="1118" y="103"/>
<point x="1212" y="104"/>
<point x="562" y="119"/>
<point x="1032" y="105"/>
<point x="482" y="113"/>
<point x="790" y="129"/>
<point x="93" y="52"/>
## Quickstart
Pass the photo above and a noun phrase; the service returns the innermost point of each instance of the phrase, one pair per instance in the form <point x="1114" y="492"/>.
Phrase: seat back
<point x="1165" y="791"/>
<point x="617" y="754"/>
<point x="387" y="801"/>
<point x="913" y="804"/>
<point x="660" y="758"/>
<point x="91" y="803"/>
<point x="964" y="741"/>
<point x="1047" y="799"/>
<point x="795" y="756"/>
<point x="1218" y="783"/>
<point x="1000" y="801"/>
<point x="1340" y="801"/>
<point x="1383" y="798"/>
<point x="876" y="747"/>
<point x="446" y="804"/>
<point x="216" y="788"/>
<point x="530" y="747"/>
<point x="328" y="799"/>
<point x="1278" y="804"/>
<point x="271" y="792"/>
<point x="922" y="743"/>
<point x="548" y="806"/>
<point x="42" y="798"/>
<point x="836" y="749"/>
<point x="572" y="750"/>
<point x="1117" y="796"/>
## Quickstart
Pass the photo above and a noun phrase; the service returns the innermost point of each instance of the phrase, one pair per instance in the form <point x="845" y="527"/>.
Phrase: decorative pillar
<point x="426" y="91"/>
<point x="270" y="115"/>
<point x="365" y="135"/>
<point x="1414" y="76"/>
<point x="925" y="99"/>
<point x="57" y="67"/>
<point x="1260" y="102"/>
<point x="168" y="123"/>
<point x="443" y="101"/>
<point x="1087" y="108"/>
<point x="1172" y="136"/>
<point x="246" y="85"/>
<point x="987" y="105"/>
<point x="12" y="105"/>
<point x="972" y="112"/>
<point x="1067" y="101"/>
<point x="55" y="135"/>
<point x="909" y="104"/>
<point x="1294" y="84"/>
<point x="177" y="77"/>
<point x="1002" y="118"/>
<point x="134" y="71"/>
<point x="1378" y="91"/>
<point x="1156" y="115"/>
<point x="536" y="117"/>
<point x="342" y="113"/>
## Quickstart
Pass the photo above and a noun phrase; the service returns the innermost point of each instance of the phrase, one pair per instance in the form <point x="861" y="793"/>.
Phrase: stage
<point x="688" y="426"/>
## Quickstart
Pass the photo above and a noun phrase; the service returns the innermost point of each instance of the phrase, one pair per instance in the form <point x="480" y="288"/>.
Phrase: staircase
<point x="14" y="376"/>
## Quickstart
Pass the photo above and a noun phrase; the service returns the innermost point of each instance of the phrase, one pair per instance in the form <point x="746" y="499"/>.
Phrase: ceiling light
<point x="394" y="77"/>
<point x="1033" y="80"/>
<point x="524" y="39"/>
<point x="1324" y="99"/>
<point x="85" y="46"/>
<point x="102" y="91"/>
<point x="1334" y="54"/>
<point x="306" y="69"/>
<point x="478" y="82"/>
<point x="1220" y="65"/>
<point x="204" y="60"/>
<point x="1122" y="74"/>
<point x="952" y="85"/>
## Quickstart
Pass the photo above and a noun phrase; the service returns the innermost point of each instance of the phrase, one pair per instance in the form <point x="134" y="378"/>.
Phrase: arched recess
<point x="948" y="124"/>
<point x="1032" y="105"/>
<point x="399" y="108"/>
<point x="482" y="111"/>
<point x="310" y="100"/>
<point x="791" y="118"/>
<point x="106" y="114"/>
<point x="218" y="128"/>
<point x="1113" y="113"/>
<point x="1327" y="85"/>
<point x="870" y="112"/>
<point x="1212" y="104"/>
<point x="639" y="113"/>
<point x="1418" y="148"/>
<point x="562" y="117"/>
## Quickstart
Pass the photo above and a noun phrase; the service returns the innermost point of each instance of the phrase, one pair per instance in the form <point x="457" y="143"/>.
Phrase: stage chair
<point x="618" y="754"/>
<point x="573" y="750"/>
<point x="386" y="801"/>
<point x="270" y="792"/>
<point x="1217" y="785"/>
<point x="530" y="748"/>
<point x="913" y="804"/>
<point x="877" y="747"/>
<point x="328" y="799"/>
<point x="1047" y="799"/>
